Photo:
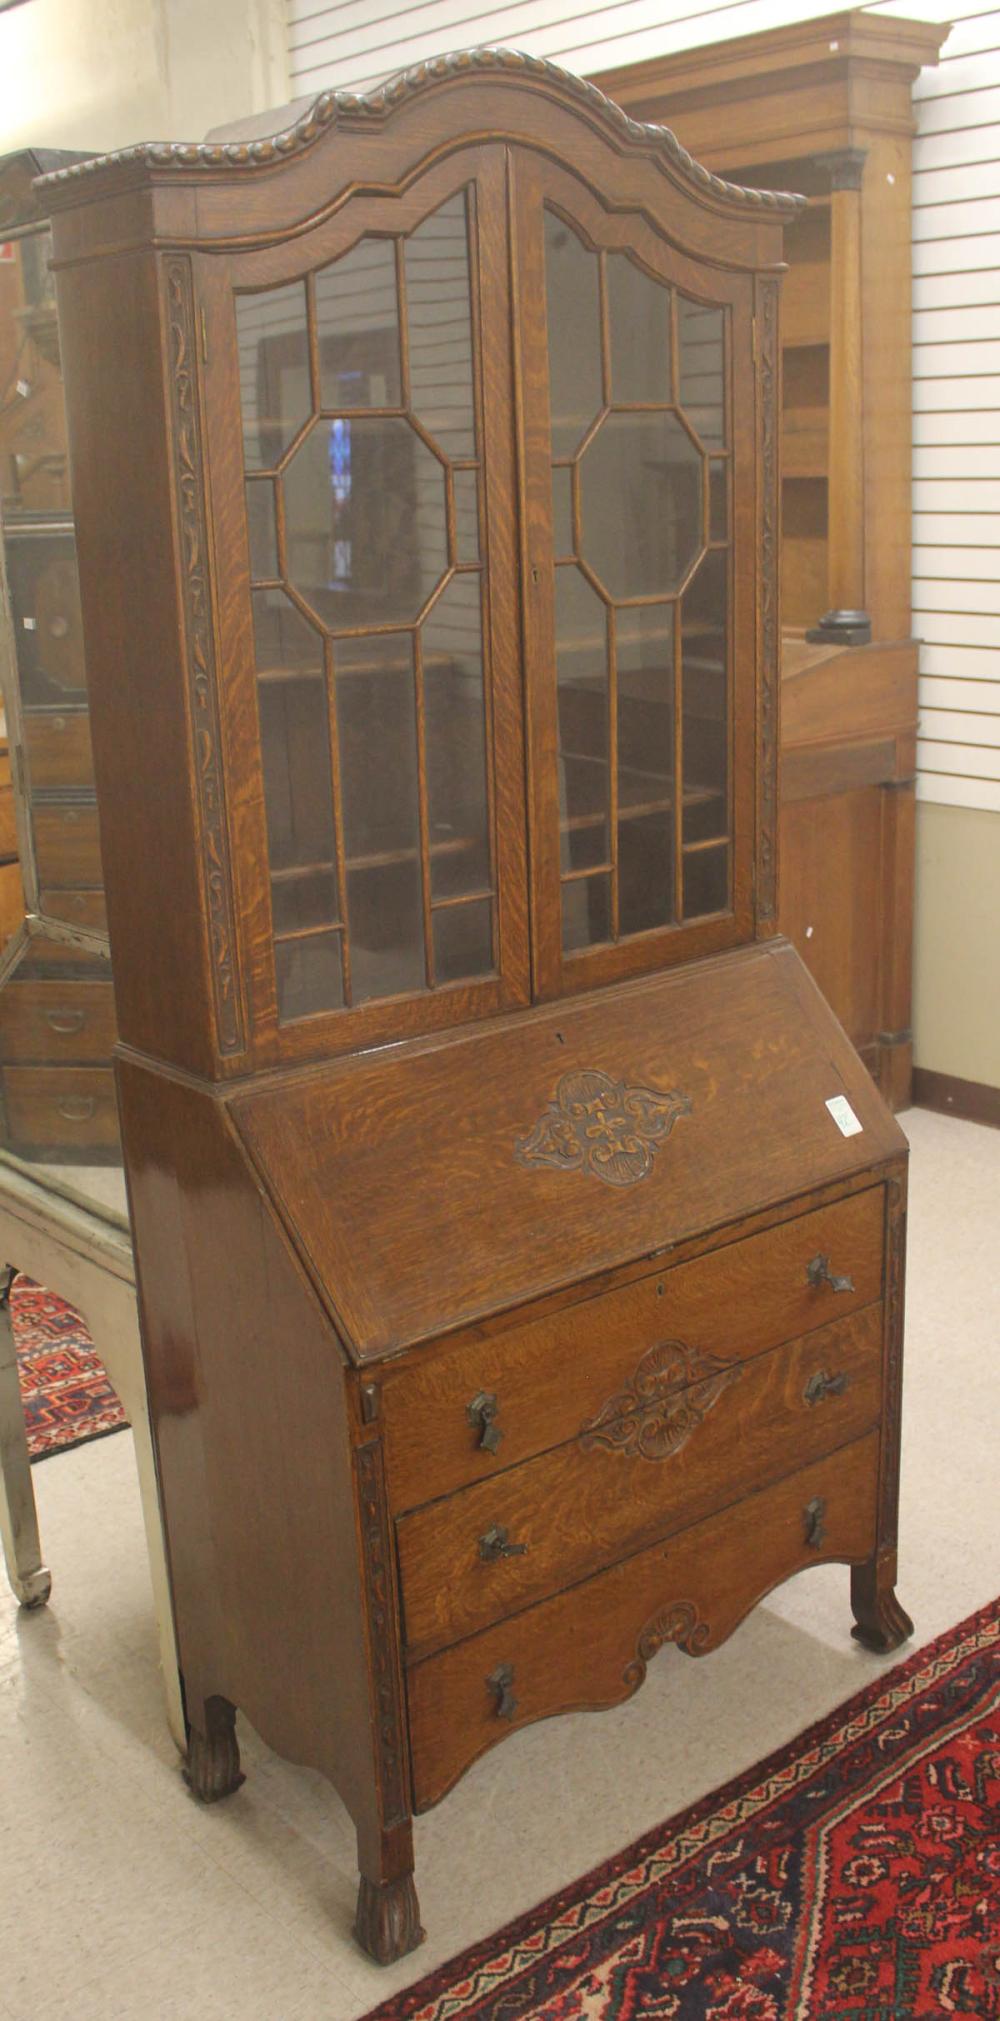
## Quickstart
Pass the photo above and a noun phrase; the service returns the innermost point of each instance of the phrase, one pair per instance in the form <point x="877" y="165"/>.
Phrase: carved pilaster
<point x="201" y="670"/>
<point x="893" y="1386"/>
<point x="769" y="397"/>
<point x="378" y="1578"/>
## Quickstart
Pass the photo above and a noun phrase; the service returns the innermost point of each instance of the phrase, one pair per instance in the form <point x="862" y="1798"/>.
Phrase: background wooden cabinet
<point x="824" y="107"/>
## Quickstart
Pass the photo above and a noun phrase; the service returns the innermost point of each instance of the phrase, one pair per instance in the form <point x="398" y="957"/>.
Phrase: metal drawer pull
<point x="500" y="1680"/>
<point x="495" y="1545"/>
<point x="814" y="1513"/>
<point x="77" y="1108"/>
<point x="66" y="1021"/>
<point x="483" y="1412"/>
<point x="820" y="1385"/>
<point x="819" y="1272"/>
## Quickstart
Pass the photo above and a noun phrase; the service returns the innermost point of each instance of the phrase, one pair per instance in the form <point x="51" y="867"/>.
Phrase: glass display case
<point x="57" y="1019"/>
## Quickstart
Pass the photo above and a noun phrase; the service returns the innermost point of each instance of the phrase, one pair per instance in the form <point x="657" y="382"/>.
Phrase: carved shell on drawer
<point x="598" y="1125"/>
<point x="670" y="1394"/>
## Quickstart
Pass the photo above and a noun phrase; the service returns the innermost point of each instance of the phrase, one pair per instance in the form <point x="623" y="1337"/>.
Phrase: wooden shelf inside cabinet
<point x="471" y="1096"/>
<point x="824" y="107"/>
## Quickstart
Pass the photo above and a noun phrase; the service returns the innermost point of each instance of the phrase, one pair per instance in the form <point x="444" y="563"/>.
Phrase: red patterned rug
<point x="854" y="1876"/>
<point x="66" y="1394"/>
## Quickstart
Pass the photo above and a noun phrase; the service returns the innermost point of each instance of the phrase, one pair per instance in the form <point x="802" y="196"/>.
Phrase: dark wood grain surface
<point x="422" y="1145"/>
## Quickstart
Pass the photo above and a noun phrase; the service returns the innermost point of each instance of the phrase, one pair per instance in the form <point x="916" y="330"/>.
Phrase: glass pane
<point x="562" y="511"/>
<point x="366" y="525"/>
<point x="644" y="647"/>
<point x="639" y="325"/>
<point x="377" y="725"/>
<point x="357" y="319"/>
<point x="586" y="912"/>
<point x="645" y="871"/>
<point x="704" y="691"/>
<point x="309" y="976"/>
<point x="463" y="941"/>
<point x="46" y="618"/>
<point x="455" y="733"/>
<point x="466" y="484"/>
<point x="641" y="504"/>
<point x="298" y="794"/>
<point x="285" y="642"/>
<point x="574" y="324"/>
<point x="386" y="930"/>
<point x="582" y="676"/>
<point x="440" y="328"/>
<point x="718" y="508"/>
<point x="706" y="881"/>
<point x="275" y="393"/>
<point x="701" y="338"/>
<point x="301" y="899"/>
<point x="261" y="530"/>
<point x="34" y="464"/>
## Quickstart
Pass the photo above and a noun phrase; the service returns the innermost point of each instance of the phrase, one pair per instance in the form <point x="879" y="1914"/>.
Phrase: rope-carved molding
<point x="348" y="108"/>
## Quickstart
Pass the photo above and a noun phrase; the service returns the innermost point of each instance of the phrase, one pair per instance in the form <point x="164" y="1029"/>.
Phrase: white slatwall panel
<point x="956" y="265"/>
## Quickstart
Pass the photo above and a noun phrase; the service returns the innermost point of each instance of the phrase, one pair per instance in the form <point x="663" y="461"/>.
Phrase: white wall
<point x="102" y="73"/>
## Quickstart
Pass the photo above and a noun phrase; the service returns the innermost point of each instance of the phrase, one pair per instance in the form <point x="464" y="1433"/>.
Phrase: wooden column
<point x="846" y="620"/>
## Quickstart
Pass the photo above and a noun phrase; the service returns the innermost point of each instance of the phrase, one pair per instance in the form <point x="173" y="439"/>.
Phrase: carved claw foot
<point x="213" y="1757"/>
<point x="882" y="1623"/>
<point x="387" y="1924"/>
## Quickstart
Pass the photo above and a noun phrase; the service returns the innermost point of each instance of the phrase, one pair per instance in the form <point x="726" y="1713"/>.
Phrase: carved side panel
<point x="768" y="635"/>
<point x="201" y="670"/>
<point x="378" y="1577"/>
<point x="895" y="1274"/>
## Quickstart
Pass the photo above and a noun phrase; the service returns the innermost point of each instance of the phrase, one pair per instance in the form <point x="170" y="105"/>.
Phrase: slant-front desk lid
<point x="431" y="1184"/>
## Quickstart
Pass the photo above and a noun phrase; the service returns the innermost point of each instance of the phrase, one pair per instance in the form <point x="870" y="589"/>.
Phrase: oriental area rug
<point x="854" y="1876"/>
<point x="65" y="1392"/>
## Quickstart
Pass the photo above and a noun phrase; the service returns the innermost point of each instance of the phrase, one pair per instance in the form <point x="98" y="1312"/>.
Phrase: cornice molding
<point x="348" y="109"/>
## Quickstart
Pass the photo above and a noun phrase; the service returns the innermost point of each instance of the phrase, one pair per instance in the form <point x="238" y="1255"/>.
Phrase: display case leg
<point x="212" y="1770"/>
<point x="30" y="1579"/>
<point x="881" y="1623"/>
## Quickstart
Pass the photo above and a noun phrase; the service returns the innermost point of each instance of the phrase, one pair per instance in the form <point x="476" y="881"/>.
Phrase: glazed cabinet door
<point x="637" y="399"/>
<point x="362" y="459"/>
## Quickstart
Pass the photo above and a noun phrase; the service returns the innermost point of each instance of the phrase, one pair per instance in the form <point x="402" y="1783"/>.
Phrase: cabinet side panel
<point x="248" y="1401"/>
<point x="114" y="347"/>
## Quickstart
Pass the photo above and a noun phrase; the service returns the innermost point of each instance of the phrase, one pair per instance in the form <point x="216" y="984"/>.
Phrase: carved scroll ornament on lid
<point x="603" y="1127"/>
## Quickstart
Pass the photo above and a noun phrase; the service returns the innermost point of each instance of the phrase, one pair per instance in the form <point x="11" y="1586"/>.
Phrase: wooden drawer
<point x="67" y="844"/>
<point x="8" y="821"/>
<point x="551" y="1376"/>
<point x="65" y="1109"/>
<point x="59" y="749"/>
<point x="661" y="1466"/>
<point x="11" y="900"/>
<point x="56" y="1020"/>
<point x="589" y="1646"/>
<point x="81" y="908"/>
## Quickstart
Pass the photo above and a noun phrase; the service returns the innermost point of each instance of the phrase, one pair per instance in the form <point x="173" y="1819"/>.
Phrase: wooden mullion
<point x="425" y="855"/>
<point x="612" y="660"/>
<point x="338" y="819"/>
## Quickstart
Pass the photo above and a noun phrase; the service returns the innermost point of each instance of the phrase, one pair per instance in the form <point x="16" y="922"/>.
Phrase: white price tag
<point x="844" y="1116"/>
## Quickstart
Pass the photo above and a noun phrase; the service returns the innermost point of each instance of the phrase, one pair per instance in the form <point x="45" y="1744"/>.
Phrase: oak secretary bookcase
<point x="507" y="1201"/>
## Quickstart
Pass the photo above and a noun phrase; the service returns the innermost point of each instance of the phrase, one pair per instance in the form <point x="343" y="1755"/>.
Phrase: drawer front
<point x="589" y="1647"/>
<point x="547" y="1378"/>
<point x="8" y="823"/>
<point x="80" y="908"/>
<point x="65" y="1110"/>
<point x="680" y="1454"/>
<point x="55" y="1020"/>
<point x="67" y="845"/>
<point x="59" y="749"/>
<point x="11" y="900"/>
